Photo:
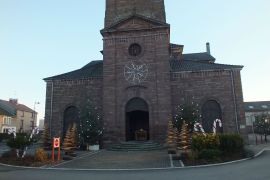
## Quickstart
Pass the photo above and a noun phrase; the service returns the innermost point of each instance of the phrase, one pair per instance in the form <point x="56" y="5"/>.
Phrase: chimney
<point x="176" y="50"/>
<point x="208" y="48"/>
<point x="13" y="101"/>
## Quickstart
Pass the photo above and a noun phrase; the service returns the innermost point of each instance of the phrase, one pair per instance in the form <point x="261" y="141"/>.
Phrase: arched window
<point x="210" y="111"/>
<point x="71" y="115"/>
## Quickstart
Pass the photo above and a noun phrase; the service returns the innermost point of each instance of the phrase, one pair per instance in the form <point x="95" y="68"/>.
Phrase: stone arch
<point x="71" y="115"/>
<point x="211" y="110"/>
<point x="137" y="117"/>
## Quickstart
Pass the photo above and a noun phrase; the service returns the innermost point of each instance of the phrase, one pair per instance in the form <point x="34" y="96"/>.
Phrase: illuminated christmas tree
<point x="184" y="136"/>
<point x="189" y="111"/>
<point x="68" y="144"/>
<point x="171" y="137"/>
<point x="91" y="124"/>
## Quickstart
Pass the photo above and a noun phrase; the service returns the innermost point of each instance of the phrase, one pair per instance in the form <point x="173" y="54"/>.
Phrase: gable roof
<point x="193" y="66"/>
<point x="92" y="69"/>
<point x="6" y="109"/>
<point x="257" y="106"/>
<point x="157" y="23"/>
<point x="11" y="108"/>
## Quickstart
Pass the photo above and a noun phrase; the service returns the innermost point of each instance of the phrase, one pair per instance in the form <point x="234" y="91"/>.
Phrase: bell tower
<point x="116" y="10"/>
<point x="136" y="70"/>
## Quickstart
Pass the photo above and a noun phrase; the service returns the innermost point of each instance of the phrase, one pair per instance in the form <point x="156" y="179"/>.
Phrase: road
<point x="255" y="169"/>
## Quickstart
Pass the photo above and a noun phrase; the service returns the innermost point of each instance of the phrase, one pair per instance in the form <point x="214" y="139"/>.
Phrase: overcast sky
<point x="40" y="39"/>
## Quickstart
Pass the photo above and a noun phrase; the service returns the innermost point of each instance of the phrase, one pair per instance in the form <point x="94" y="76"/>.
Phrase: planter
<point x="93" y="147"/>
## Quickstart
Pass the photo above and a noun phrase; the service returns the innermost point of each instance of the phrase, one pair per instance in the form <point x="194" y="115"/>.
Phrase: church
<point x="143" y="78"/>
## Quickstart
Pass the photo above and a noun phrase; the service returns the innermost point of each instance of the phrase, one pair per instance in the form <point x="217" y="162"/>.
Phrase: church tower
<point x="116" y="10"/>
<point x="136" y="71"/>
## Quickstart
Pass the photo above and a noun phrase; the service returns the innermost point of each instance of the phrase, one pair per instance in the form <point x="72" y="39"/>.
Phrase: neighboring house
<point x="253" y="109"/>
<point x="17" y="116"/>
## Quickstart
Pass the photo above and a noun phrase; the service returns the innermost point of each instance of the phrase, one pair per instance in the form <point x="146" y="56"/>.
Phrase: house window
<point x="32" y="125"/>
<point x="21" y="128"/>
<point x="264" y="106"/>
<point x="251" y="107"/>
<point x="7" y="120"/>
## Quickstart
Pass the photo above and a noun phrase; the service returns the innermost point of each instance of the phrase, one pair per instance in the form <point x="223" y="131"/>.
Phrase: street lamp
<point x="266" y="128"/>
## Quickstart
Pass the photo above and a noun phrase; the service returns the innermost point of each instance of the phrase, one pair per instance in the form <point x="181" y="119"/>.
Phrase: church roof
<point x="193" y="66"/>
<point x="92" y="69"/>
<point x="204" y="56"/>
<point x="189" y="62"/>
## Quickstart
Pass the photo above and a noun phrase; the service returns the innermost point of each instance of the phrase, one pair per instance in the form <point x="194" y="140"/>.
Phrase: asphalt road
<point x="255" y="169"/>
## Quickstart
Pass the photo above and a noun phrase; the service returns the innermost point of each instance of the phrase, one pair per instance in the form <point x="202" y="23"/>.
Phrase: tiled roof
<point x="257" y="106"/>
<point x="92" y="69"/>
<point x="204" y="56"/>
<point x="95" y="69"/>
<point x="11" y="108"/>
<point x="184" y="65"/>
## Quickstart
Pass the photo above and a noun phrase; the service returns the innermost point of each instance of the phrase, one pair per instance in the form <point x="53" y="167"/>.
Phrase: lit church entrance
<point x="137" y="120"/>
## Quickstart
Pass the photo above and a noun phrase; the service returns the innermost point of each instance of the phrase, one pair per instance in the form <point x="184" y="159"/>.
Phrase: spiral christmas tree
<point x="170" y="134"/>
<point x="184" y="135"/>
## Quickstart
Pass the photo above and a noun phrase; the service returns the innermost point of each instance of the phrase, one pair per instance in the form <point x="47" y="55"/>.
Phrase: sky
<point x="39" y="39"/>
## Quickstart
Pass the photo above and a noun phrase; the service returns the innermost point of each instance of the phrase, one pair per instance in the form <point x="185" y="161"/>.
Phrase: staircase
<point x="136" y="146"/>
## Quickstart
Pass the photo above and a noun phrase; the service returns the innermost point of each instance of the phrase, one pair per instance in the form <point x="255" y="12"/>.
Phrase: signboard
<point x="56" y="142"/>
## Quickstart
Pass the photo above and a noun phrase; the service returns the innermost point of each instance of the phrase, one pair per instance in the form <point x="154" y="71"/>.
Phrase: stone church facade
<point x="143" y="78"/>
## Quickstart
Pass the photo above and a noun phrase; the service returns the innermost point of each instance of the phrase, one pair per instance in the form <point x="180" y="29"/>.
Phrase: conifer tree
<point x="46" y="137"/>
<point x="91" y="124"/>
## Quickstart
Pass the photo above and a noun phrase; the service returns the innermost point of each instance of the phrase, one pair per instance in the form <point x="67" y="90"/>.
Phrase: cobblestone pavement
<point x="128" y="160"/>
<point x="120" y="160"/>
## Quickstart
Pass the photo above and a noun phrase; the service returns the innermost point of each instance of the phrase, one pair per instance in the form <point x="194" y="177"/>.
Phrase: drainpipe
<point x="51" y="110"/>
<point x="234" y="101"/>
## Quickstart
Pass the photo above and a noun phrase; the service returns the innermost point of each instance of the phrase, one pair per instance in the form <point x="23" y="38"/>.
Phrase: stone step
<point x="136" y="146"/>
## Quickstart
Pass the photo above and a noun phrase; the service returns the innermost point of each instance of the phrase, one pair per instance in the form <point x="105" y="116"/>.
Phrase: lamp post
<point x="253" y="131"/>
<point x="35" y="114"/>
<point x="266" y="128"/>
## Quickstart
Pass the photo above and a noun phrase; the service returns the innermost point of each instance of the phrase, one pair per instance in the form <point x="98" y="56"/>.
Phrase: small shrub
<point x="41" y="155"/>
<point x="210" y="154"/>
<point x="200" y="142"/>
<point x="20" y="142"/>
<point x="231" y="143"/>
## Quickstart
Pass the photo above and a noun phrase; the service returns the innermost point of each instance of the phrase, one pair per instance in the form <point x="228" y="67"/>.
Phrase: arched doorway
<point x="137" y="118"/>
<point x="210" y="111"/>
<point x="71" y="115"/>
